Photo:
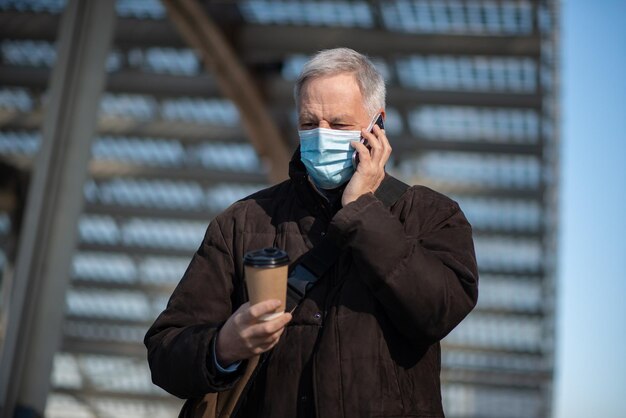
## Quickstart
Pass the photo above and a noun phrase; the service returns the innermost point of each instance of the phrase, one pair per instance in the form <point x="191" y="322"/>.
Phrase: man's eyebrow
<point x="341" y="118"/>
<point x="306" y="116"/>
<point x="344" y="117"/>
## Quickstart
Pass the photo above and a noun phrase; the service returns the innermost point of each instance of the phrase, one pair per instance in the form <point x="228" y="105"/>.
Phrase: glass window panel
<point x="28" y="53"/>
<point x="471" y="169"/>
<point x="114" y="304"/>
<point x="140" y="9"/>
<point x="16" y="98"/>
<point x="510" y="293"/>
<point x="167" y="61"/>
<point x="219" y="111"/>
<point x="104" y="267"/>
<point x="60" y="405"/>
<point x="128" y="106"/>
<point x="463" y="123"/>
<point x="162" y="270"/>
<point x="498" y="332"/>
<point x="49" y="6"/>
<point x="497" y="213"/>
<point x="489" y="360"/>
<point x="157" y="233"/>
<point x="90" y="330"/>
<point x="458" y="17"/>
<point x="94" y="228"/>
<point x="146" y="193"/>
<point x="66" y="371"/>
<point x="475" y="73"/>
<point x="507" y="253"/>
<point x="462" y="400"/>
<point x="166" y="194"/>
<point x="149" y="151"/>
<point x="314" y="13"/>
<point x="231" y="157"/>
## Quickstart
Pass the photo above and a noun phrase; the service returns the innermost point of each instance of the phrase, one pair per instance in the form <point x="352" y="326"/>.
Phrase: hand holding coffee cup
<point x="245" y="335"/>
<point x="258" y="324"/>
<point x="266" y="277"/>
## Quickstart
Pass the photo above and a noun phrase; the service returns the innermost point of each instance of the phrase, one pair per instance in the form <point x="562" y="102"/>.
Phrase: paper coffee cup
<point x="266" y="277"/>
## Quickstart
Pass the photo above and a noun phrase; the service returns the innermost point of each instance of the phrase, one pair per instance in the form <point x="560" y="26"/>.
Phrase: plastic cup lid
<point x="267" y="257"/>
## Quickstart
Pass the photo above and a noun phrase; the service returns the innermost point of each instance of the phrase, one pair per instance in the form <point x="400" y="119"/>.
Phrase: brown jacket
<point x="365" y="340"/>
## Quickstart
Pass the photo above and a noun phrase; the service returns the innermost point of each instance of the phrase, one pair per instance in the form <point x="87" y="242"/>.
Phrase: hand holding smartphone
<point x="377" y="120"/>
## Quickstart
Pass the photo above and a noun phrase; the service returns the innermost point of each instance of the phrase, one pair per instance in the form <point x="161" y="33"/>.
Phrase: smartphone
<point x="377" y="120"/>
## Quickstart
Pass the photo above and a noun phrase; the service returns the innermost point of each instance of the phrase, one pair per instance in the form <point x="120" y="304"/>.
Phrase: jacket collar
<point x="297" y="170"/>
<point x="388" y="191"/>
<point x="308" y="192"/>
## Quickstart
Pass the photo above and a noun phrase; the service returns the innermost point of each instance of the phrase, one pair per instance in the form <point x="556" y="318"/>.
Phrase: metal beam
<point x="473" y="190"/>
<point x="114" y="322"/>
<point x="202" y="34"/>
<point x="523" y="380"/>
<point x="153" y="399"/>
<point x="264" y="42"/>
<point x="101" y="170"/>
<point x="134" y="250"/>
<point x="48" y="237"/>
<point x="261" y="43"/>
<point x="447" y="346"/>
<point x="79" y="346"/>
<point x="105" y="170"/>
<point x="150" y="289"/>
<point x="122" y="212"/>
<point x="278" y="91"/>
<point x="125" y="81"/>
<point x="408" y="145"/>
<point x="184" y="131"/>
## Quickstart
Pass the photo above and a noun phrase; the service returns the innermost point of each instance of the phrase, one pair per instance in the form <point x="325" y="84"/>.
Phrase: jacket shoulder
<point x="427" y="208"/>
<point x="426" y="195"/>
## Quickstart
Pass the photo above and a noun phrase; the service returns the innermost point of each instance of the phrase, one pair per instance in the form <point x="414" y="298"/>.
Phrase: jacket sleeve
<point x="180" y="341"/>
<point x="426" y="280"/>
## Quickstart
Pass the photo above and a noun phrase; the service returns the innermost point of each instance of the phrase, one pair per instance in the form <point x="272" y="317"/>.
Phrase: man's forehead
<point x="308" y="115"/>
<point x="346" y="80"/>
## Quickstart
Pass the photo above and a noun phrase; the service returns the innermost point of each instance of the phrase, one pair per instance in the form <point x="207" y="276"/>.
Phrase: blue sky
<point x="591" y="354"/>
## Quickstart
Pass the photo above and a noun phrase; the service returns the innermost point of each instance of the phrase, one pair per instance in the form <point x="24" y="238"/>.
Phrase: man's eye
<point x="307" y="125"/>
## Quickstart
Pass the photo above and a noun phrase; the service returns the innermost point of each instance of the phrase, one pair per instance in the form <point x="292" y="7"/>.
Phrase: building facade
<point x="472" y="112"/>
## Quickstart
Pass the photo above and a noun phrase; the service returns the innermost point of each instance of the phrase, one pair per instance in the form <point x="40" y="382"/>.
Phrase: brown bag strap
<point x="227" y="401"/>
<point x="219" y="404"/>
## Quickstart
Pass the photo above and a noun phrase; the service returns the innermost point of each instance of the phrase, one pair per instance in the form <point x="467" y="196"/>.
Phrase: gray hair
<point x="345" y="60"/>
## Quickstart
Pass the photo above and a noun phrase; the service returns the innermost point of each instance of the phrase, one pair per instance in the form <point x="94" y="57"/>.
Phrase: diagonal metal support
<point x="54" y="203"/>
<point x="201" y="33"/>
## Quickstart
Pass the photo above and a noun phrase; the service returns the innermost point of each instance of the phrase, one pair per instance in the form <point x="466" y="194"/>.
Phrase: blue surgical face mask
<point x="327" y="155"/>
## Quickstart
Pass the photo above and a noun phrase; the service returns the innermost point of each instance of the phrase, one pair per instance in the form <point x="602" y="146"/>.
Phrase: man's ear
<point x="382" y="112"/>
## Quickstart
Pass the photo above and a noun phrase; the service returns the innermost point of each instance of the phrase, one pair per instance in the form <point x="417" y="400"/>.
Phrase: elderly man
<point x="364" y="341"/>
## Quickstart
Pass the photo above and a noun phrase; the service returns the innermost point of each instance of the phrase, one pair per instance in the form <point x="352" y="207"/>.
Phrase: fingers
<point x="380" y="149"/>
<point x="264" y="329"/>
<point x="364" y="153"/>
<point x="267" y="340"/>
<point x="252" y="324"/>
<point x="383" y="150"/>
<point x="263" y="336"/>
<point x="256" y="312"/>
<point x="245" y="334"/>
